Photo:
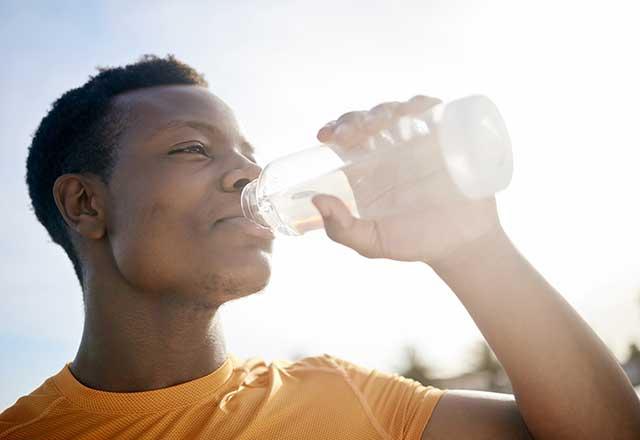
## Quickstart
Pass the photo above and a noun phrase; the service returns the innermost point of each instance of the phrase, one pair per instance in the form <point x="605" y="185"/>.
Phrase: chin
<point x="238" y="280"/>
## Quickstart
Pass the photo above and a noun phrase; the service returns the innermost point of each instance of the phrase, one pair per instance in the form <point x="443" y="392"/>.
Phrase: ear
<point x="80" y="200"/>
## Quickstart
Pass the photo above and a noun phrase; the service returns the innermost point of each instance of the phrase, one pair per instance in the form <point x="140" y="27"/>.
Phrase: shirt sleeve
<point x="402" y="407"/>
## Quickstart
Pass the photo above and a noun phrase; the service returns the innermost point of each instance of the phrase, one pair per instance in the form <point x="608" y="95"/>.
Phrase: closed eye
<point x="193" y="148"/>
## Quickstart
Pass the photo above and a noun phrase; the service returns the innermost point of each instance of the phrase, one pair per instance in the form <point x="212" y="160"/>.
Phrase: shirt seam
<point x="365" y="407"/>
<point x="420" y="430"/>
<point x="44" y="413"/>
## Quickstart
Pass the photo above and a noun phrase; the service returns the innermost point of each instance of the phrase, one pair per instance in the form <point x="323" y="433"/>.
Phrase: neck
<point x="134" y="341"/>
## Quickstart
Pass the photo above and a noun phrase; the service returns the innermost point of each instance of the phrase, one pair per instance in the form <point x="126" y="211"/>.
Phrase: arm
<point x="566" y="382"/>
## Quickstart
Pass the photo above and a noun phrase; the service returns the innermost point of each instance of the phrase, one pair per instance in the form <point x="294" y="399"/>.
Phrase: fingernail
<point x="329" y="126"/>
<point x="326" y="131"/>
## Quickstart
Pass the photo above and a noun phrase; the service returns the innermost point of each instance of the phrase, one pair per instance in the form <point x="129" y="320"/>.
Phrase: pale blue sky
<point x="563" y="74"/>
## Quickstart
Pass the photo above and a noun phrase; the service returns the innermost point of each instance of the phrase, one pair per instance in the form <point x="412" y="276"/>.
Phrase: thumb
<point x="334" y="212"/>
<point x="342" y="227"/>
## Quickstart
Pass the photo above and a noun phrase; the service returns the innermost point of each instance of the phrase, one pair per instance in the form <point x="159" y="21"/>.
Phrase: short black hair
<point x="80" y="134"/>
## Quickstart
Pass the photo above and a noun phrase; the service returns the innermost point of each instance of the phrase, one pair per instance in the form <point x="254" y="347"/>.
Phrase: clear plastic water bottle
<point x="466" y="137"/>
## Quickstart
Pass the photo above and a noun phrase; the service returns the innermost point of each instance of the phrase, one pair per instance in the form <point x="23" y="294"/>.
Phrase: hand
<point x="430" y="218"/>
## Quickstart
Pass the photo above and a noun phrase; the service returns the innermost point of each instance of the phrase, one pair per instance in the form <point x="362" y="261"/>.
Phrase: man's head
<point x="131" y="174"/>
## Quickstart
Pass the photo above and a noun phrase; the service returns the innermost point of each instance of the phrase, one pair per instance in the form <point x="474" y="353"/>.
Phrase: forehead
<point x="153" y="109"/>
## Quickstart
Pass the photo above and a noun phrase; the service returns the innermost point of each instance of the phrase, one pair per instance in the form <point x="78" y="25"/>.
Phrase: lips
<point x="245" y="225"/>
<point x="230" y="211"/>
<point x="222" y="219"/>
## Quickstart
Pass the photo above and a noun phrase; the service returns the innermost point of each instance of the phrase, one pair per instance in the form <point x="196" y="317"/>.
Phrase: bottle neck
<point x="249" y="203"/>
<point x="259" y="210"/>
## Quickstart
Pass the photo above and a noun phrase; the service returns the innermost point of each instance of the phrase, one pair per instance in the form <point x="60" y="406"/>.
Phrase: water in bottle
<point x="466" y="139"/>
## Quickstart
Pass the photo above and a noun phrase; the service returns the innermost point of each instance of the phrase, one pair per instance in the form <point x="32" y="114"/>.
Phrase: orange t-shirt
<point x="318" y="397"/>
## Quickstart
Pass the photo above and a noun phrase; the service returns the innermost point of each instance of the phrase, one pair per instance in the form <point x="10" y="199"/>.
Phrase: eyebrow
<point x="212" y="130"/>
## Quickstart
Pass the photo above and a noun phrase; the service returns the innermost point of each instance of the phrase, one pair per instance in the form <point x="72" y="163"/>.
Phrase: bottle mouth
<point x="249" y="204"/>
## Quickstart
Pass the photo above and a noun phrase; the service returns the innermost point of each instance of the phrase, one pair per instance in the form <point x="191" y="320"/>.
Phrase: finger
<point x="326" y="133"/>
<point x="349" y="129"/>
<point x="346" y="130"/>
<point x="418" y="104"/>
<point x="381" y="116"/>
<point x="342" y="227"/>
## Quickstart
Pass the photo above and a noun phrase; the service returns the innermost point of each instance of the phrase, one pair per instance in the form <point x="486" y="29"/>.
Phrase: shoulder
<point x="325" y="366"/>
<point x="397" y="406"/>
<point x="30" y="407"/>
<point x="324" y="363"/>
<point x="357" y="376"/>
<point x="361" y="377"/>
<point x="307" y="371"/>
<point x="384" y="393"/>
<point x="319" y="374"/>
<point x="320" y="364"/>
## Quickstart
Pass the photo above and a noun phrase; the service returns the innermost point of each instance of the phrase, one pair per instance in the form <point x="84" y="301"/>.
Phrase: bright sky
<point x="564" y="75"/>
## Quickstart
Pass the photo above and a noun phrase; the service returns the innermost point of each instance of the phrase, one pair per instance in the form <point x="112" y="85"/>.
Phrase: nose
<point x="236" y="179"/>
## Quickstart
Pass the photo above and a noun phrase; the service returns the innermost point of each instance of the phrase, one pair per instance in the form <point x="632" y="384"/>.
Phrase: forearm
<point x="566" y="382"/>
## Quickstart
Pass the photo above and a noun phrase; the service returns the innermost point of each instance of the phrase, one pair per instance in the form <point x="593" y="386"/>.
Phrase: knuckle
<point x="385" y="109"/>
<point x="423" y="101"/>
<point x="424" y="98"/>
<point x="343" y="133"/>
<point x="354" y="117"/>
<point x="418" y="99"/>
<point x="350" y="128"/>
<point x="417" y="104"/>
<point x="381" y="116"/>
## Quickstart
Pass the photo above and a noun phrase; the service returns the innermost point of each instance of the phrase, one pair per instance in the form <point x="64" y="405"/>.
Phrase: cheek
<point x="152" y="237"/>
<point x="158" y="218"/>
<point x="162" y="239"/>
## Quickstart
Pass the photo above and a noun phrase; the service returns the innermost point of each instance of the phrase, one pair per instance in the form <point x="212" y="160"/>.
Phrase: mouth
<point x="246" y="226"/>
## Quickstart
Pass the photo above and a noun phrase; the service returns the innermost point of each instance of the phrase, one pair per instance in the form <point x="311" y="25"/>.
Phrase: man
<point x="137" y="175"/>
